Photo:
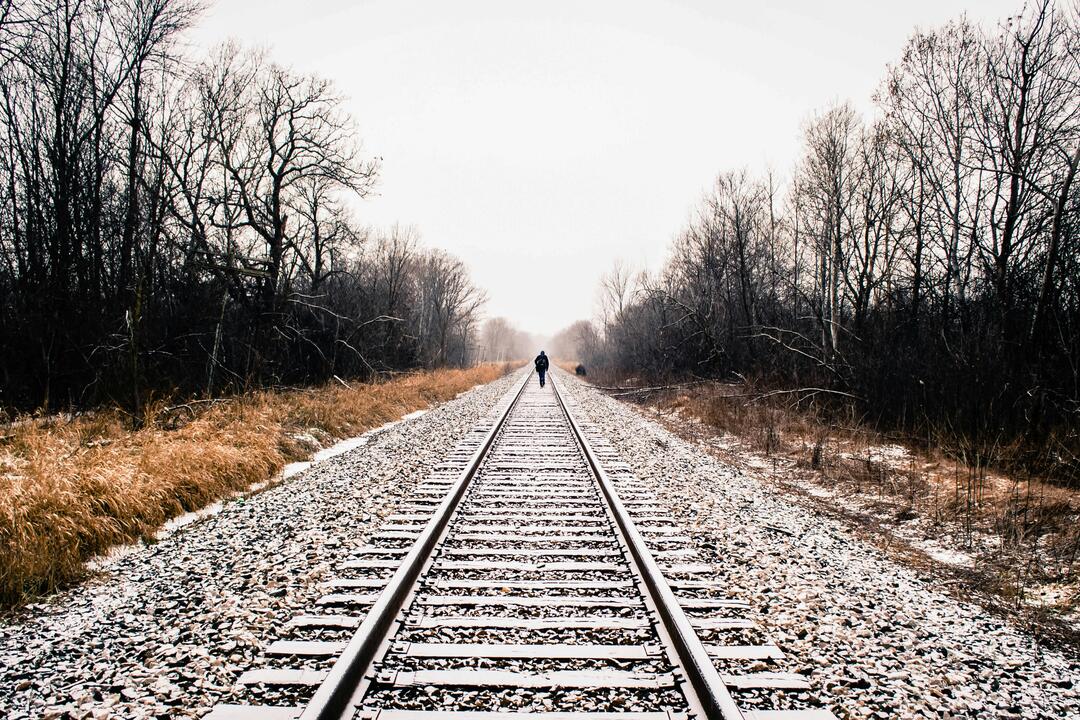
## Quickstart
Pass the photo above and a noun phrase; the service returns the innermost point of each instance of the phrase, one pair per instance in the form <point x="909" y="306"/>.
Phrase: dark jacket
<point x="541" y="363"/>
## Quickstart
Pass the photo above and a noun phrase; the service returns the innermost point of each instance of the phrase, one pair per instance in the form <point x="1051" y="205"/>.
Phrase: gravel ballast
<point x="165" y="630"/>
<point x="875" y="640"/>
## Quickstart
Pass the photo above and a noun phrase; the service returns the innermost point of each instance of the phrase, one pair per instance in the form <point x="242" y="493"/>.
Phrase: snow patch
<point x="1053" y="595"/>
<point x="946" y="555"/>
<point x="895" y="456"/>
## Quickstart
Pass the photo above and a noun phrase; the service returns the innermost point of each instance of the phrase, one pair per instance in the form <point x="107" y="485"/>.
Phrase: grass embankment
<point x="72" y="488"/>
<point x="1021" y="532"/>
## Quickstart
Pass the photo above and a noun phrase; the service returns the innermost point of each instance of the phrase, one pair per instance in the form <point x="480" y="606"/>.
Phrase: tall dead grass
<point x="1023" y="531"/>
<point x="72" y="488"/>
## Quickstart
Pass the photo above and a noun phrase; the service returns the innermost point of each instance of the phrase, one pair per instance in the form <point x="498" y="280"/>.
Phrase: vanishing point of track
<point x="530" y="574"/>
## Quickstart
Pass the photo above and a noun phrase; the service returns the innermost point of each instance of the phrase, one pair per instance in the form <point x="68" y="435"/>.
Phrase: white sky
<point x="541" y="141"/>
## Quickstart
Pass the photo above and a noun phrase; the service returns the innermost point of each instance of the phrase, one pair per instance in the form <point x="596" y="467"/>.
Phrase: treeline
<point x="500" y="341"/>
<point x="923" y="265"/>
<point x="177" y="224"/>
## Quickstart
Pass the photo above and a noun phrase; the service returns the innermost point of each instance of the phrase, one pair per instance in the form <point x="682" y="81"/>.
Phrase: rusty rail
<point x="711" y="693"/>
<point x="586" y="509"/>
<point x="332" y="698"/>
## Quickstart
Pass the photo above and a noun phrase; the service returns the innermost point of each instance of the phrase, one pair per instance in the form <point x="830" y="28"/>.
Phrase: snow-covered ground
<point x="914" y="504"/>
<point x="166" y="629"/>
<point x="875" y="639"/>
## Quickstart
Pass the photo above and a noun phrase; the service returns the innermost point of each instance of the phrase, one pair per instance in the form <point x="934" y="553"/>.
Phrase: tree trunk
<point x="1047" y="291"/>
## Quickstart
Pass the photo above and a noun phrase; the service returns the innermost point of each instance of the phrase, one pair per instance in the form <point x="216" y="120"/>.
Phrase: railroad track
<point x="531" y="574"/>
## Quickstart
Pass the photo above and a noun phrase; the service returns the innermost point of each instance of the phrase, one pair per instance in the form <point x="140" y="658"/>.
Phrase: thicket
<point x="922" y="266"/>
<point x="173" y="224"/>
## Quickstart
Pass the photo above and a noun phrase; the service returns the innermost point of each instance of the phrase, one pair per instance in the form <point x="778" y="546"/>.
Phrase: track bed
<point x="531" y="574"/>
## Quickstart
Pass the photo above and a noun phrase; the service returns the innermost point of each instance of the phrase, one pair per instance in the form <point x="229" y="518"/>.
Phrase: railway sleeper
<point x="510" y="678"/>
<point x="533" y="493"/>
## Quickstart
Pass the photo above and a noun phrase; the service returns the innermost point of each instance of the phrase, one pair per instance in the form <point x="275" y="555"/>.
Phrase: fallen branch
<point x="164" y="413"/>
<point x="617" y="391"/>
<point x="809" y="391"/>
<point x="203" y="401"/>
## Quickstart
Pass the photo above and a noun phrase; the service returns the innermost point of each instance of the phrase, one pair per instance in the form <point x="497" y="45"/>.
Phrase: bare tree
<point x="449" y="309"/>
<point x="1027" y="114"/>
<point x="929" y="101"/>
<point x="923" y="266"/>
<point x="501" y="341"/>
<point x="186" y="224"/>
<point x="615" y="291"/>
<point x="829" y="172"/>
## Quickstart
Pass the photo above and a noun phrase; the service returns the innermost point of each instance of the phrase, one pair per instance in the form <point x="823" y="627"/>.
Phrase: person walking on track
<point x="541" y="363"/>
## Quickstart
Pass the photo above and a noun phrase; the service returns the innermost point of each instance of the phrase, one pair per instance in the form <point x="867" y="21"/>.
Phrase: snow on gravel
<point x="875" y="640"/>
<point x="165" y="630"/>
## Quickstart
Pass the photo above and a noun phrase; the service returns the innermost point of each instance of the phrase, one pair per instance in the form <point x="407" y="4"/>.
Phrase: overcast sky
<point x="541" y="141"/>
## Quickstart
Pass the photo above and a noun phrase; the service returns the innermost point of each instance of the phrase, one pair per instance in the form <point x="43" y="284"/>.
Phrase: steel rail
<point x="331" y="701"/>
<point x="711" y="693"/>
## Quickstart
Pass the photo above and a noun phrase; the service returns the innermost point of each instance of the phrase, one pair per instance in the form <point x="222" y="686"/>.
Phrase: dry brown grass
<point x="72" y="488"/>
<point x="1023" y="531"/>
<point x="567" y="365"/>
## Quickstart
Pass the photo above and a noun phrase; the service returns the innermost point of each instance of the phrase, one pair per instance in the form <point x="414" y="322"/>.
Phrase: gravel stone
<point x="165" y="630"/>
<point x="873" y="638"/>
